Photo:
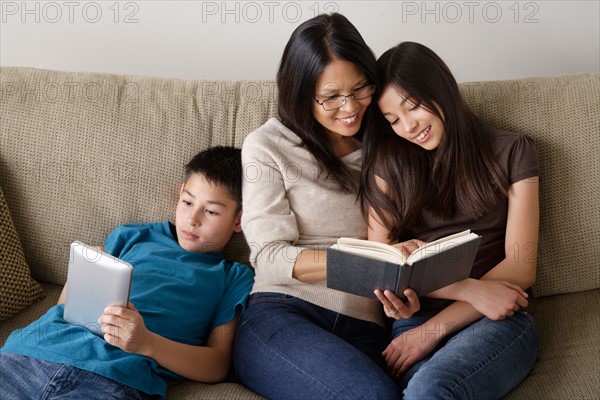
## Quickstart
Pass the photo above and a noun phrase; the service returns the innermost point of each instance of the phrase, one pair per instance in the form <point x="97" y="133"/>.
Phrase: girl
<point x="432" y="168"/>
<point x="299" y="339"/>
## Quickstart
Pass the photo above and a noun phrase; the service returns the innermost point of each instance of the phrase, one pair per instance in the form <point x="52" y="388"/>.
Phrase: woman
<point x="432" y="168"/>
<point x="299" y="339"/>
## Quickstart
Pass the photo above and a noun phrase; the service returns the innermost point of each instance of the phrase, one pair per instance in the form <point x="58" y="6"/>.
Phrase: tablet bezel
<point x="95" y="280"/>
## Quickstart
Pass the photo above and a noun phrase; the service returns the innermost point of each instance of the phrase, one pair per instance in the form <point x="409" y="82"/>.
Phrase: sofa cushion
<point x="195" y="390"/>
<point x="17" y="289"/>
<point x="568" y="363"/>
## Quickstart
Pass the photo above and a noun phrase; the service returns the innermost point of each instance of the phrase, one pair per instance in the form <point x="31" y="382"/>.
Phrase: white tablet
<point x="95" y="280"/>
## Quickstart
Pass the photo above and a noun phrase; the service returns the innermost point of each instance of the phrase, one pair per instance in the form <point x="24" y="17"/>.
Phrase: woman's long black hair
<point x="312" y="46"/>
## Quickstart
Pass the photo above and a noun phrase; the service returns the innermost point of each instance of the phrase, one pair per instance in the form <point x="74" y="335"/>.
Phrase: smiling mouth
<point x="423" y="135"/>
<point x="349" y="120"/>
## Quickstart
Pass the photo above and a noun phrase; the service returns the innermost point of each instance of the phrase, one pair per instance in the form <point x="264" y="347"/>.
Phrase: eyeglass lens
<point x="338" y="102"/>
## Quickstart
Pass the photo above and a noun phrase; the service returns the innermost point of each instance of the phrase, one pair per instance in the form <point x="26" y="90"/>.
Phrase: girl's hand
<point x="409" y="348"/>
<point x="408" y="247"/>
<point x="125" y="329"/>
<point x="396" y="308"/>
<point x="496" y="299"/>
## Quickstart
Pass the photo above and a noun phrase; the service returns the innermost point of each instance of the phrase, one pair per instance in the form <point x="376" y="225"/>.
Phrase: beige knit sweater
<point x="288" y="207"/>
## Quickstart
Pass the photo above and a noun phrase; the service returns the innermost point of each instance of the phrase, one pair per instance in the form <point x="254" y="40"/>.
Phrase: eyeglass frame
<point x="345" y="97"/>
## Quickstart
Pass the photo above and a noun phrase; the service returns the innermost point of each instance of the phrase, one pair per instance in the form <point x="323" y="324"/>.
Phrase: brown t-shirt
<point x="518" y="159"/>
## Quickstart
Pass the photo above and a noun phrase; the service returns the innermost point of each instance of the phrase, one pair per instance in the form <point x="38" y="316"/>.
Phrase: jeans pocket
<point x="270" y="297"/>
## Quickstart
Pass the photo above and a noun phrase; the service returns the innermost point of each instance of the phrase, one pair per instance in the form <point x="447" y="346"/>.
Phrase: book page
<point x="441" y="245"/>
<point x="371" y="249"/>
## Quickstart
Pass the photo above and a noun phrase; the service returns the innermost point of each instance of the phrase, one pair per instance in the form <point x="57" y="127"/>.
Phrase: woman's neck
<point x="343" y="145"/>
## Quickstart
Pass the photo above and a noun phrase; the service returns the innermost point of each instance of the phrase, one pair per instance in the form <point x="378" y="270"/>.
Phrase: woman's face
<point x="410" y="121"/>
<point x="340" y="78"/>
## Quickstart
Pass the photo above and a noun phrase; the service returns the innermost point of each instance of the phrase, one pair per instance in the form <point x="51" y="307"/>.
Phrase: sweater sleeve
<point x="268" y="222"/>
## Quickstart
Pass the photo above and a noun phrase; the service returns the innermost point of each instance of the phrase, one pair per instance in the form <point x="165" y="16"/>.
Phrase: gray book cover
<point x="361" y="275"/>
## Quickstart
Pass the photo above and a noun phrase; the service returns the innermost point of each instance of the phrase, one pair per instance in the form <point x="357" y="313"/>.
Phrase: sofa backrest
<point x="81" y="153"/>
<point x="84" y="152"/>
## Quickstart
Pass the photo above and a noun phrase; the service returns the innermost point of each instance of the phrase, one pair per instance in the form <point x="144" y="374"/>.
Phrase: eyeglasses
<point x="333" y="103"/>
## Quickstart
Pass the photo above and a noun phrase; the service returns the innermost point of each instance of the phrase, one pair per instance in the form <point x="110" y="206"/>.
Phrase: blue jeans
<point x="287" y="348"/>
<point x="29" y="378"/>
<point x="485" y="360"/>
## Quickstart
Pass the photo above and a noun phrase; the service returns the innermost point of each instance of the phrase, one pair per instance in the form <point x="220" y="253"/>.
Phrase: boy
<point x="184" y="304"/>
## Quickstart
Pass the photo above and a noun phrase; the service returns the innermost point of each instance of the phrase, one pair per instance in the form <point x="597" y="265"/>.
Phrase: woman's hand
<point x="393" y="307"/>
<point x="495" y="299"/>
<point x="124" y="328"/>
<point x="396" y="308"/>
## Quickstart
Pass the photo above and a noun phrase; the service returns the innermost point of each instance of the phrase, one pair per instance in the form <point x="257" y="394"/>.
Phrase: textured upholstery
<point x="81" y="153"/>
<point x="17" y="289"/>
<point x="568" y="364"/>
<point x="51" y="293"/>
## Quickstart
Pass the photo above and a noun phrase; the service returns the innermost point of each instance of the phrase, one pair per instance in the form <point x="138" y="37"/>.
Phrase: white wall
<point x="480" y="40"/>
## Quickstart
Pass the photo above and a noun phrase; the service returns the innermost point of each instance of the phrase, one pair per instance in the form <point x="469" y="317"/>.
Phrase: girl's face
<point x="411" y="121"/>
<point x="341" y="78"/>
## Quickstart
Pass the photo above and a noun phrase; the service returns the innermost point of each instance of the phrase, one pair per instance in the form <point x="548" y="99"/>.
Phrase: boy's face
<point x="206" y="216"/>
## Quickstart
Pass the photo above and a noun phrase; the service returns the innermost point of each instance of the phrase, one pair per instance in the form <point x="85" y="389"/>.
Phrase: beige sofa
<point x="81" y="153"/>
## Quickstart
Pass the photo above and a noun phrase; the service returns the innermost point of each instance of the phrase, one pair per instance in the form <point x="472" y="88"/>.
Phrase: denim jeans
<point x="25" y="378"/>
<point x="485" y="360"/>
<point x="287" y="348"/>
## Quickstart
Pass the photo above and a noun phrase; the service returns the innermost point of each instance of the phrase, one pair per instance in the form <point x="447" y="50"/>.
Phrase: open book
<point x="360" y="266"/>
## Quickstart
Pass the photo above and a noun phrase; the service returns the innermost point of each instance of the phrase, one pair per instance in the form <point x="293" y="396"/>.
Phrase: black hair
<point x="219" y="165"/>
<point x="312" y="46"/>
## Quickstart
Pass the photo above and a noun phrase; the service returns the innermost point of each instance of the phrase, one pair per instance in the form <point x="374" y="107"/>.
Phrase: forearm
<point x="198" y="363"/>
<point x="124" y="328"/>
<point x="521" y="274"/>
<point x="63" y="295"/>
<point x="310" y="266"/>
<point x="275" y="263"/>
<point x="453" y="318"/>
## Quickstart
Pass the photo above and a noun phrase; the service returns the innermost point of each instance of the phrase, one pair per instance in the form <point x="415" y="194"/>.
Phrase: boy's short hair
<point x="220" y="165"/>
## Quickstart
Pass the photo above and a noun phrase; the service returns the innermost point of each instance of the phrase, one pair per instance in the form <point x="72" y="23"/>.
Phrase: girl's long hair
<point x="312" y="46"/>
<point x="460" y="174"/>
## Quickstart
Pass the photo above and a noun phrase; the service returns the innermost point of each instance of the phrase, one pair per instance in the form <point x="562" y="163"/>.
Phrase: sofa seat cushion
<point x="17" y="289"/>
<point x="568" y="325"/>
<point x="195" y="390"/>
<point x="31" y="313"/>
<point x="569" y="355"/>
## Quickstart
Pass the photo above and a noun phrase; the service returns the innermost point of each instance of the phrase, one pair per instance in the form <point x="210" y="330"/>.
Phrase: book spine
<point x="391" y="273"/>
<point x="403" y="281"/>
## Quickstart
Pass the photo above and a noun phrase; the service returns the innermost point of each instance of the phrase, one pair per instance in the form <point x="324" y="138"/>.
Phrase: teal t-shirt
<point x="181" y="295"/>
